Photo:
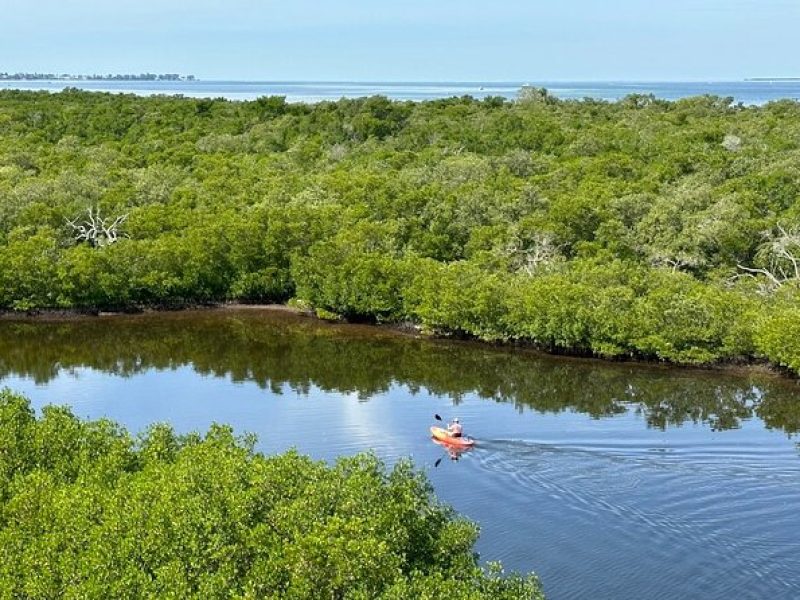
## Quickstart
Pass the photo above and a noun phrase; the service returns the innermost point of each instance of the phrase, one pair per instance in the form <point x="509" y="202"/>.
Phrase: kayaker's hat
<point x="455" y="420"/>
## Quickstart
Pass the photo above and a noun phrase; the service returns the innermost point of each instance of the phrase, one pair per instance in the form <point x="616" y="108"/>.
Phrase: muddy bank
<point x="65" y="314"/>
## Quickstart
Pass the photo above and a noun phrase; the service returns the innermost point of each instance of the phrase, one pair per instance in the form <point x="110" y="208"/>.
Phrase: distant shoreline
<point x="96" y="77"/>
<point x="766" y="79"/>
<point x="178" y="77"/>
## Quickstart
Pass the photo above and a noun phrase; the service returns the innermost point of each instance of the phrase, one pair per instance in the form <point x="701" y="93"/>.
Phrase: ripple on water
<point x="697" y="509"/>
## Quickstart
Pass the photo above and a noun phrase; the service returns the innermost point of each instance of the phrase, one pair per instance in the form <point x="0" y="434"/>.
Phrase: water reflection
<point x="278" y="350"/>
<point x="452" y="453"/>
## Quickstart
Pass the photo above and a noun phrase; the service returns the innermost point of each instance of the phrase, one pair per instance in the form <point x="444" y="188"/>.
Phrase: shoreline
<point x="41" y="314"/>
<point x="740" y="366"/>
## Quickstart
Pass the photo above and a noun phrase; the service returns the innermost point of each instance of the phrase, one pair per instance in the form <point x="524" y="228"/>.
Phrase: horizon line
<point x="521" y="82"/>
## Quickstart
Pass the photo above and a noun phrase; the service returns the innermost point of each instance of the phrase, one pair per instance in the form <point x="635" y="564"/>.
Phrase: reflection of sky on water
<point x="326" y="423"/>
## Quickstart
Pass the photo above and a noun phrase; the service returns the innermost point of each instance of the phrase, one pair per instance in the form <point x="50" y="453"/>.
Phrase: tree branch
<point x="772" y="277"/>
<point x="95" y="230"/>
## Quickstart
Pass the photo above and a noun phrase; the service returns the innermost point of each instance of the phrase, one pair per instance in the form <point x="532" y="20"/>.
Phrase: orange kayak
<point x="457" y="442"/>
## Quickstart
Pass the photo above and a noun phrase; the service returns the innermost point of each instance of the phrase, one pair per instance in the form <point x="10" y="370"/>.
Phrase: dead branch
<point x="781" y="257"/>
<point x="97" y="230"/>
<point x="777" y="282"/>
<point x="529" y="256"/>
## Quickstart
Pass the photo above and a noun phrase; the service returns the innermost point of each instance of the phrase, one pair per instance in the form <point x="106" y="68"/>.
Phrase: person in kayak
<point x="455" y="429"/>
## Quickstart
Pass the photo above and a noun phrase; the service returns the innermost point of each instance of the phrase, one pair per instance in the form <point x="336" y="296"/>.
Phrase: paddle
<point x="436" y="464"/>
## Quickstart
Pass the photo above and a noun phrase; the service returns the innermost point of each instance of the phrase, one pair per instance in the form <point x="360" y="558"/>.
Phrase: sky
<point x="406" y="40"/>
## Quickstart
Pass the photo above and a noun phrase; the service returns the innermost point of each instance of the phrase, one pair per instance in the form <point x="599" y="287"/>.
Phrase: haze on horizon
<point x="451" y="40"/>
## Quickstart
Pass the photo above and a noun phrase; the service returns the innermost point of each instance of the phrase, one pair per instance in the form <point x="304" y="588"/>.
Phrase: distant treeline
<point x="668" y="230"/>
<point x="116" y="77"/>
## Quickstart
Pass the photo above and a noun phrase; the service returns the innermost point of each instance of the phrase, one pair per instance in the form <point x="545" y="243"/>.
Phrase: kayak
<point x="443" y="436"/>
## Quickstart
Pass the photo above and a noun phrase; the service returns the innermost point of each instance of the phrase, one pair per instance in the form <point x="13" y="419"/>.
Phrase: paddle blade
<point x="437" y="417"/>
<point x="436" y="464"/>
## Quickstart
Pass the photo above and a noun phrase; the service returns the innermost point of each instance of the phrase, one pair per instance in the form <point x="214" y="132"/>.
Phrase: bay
<point x="746" y="92"/>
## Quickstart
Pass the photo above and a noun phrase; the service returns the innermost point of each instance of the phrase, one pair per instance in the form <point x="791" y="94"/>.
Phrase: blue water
<point x="747" y="92"/>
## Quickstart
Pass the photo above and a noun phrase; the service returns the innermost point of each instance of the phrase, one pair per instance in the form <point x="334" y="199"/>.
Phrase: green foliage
<point x="682" y="320"/>
<point x="607" y="228"/>
<point x="28" y="270"/>
<point x="777" y="336"/>
<point x="354" y="274"/>
<point x="88" y="511"/>
<point x="456" y="297"/>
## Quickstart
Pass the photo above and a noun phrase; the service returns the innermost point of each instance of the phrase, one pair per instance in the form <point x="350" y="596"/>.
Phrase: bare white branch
<point x="530" y="255"/>
<point x="780" y="255"/>
<point x="775" y="280"/>
<point x="96" y="230"/>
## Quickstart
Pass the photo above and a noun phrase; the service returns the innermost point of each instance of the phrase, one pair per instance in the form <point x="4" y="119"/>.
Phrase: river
<point x="610" y="480"/>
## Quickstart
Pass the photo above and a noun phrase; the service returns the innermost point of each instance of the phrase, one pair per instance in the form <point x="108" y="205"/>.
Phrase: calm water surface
<point x="609" y="480"/>
<point x="747" y="92"/>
